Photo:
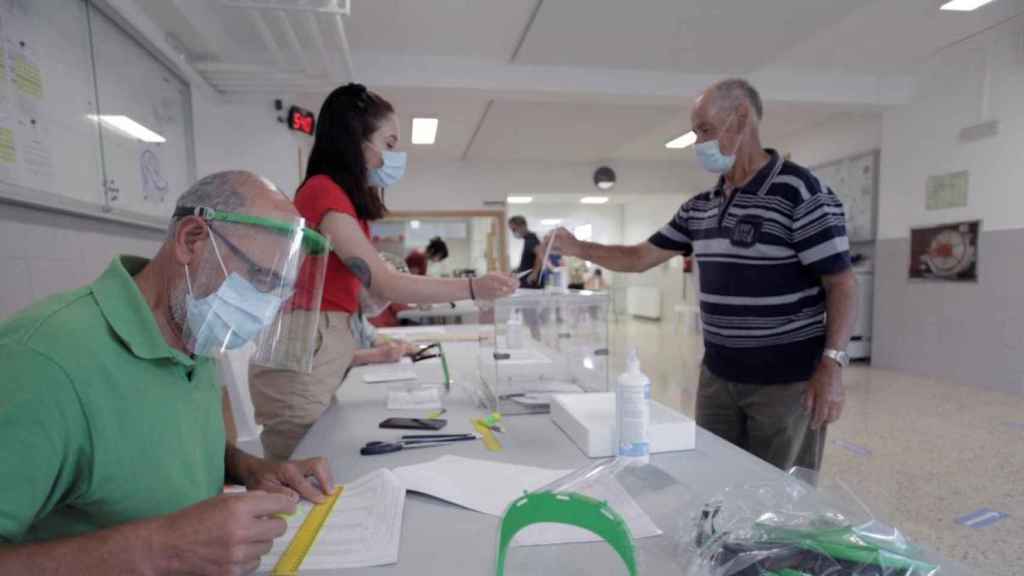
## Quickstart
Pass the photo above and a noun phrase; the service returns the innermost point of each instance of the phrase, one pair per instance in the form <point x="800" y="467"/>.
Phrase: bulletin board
<point x="66" y="65"/>
<point x="854" y="180"/>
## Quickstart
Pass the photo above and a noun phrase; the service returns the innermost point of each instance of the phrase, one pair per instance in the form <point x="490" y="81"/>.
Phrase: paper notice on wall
<point x="31" y="134"/>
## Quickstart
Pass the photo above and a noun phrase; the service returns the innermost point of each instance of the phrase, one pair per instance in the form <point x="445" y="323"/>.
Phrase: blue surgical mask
<point x="229" y="317"/>
<point x="710" y="155"/>
<point x="390" y="172"/>
<point x="711" y="158"/>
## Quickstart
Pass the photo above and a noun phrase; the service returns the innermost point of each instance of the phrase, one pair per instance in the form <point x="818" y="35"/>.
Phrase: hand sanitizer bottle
<point x="633" y="413"/>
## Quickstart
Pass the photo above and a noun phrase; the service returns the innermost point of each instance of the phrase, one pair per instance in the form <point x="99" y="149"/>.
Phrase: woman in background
<point x="436" y="251"/>
<point x="354" y="158"/>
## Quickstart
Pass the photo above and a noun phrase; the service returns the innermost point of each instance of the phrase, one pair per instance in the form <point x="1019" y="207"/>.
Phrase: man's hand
<point x="825" y="394"/>
<point x="564" y="242"/>
<point x="494" y="285"/>
<point x="226" y="534"/>
<point x="290" y="478"/>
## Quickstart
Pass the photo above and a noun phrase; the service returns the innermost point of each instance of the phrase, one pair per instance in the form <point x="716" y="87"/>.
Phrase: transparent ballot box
<point x="544" y="343"/>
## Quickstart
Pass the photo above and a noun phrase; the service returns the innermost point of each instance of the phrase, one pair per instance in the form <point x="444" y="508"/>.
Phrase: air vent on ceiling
<point x="980" y="131"/>
<point x="494" y="203"/>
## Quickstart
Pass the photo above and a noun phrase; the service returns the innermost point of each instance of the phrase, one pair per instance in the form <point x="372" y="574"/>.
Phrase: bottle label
<point x="634" y="416"/>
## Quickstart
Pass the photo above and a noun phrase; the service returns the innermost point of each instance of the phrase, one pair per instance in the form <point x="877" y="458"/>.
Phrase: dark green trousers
<point x="768" y="421"/>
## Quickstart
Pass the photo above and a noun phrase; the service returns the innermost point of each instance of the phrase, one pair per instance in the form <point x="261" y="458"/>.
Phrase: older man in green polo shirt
<point x="113" y="454"/>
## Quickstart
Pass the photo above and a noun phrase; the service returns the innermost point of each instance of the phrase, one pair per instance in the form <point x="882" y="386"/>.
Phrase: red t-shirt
<point x="315" y="198"/>
<point x="416" y="261"/>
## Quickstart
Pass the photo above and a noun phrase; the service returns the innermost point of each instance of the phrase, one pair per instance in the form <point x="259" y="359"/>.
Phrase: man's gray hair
<point x="729" y="94"/>
<point x="220" y="191"/>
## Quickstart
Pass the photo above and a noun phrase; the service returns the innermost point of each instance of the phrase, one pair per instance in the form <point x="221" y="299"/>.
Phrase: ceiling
<point x="575" y="81"/>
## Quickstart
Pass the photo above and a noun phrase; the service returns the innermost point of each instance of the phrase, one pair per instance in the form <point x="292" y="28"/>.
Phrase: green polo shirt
<point x="101" y="421"/>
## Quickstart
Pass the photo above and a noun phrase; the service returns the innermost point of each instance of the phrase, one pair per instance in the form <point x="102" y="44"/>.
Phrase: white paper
<point x="421" y="398"/>
<point x="480" y="485"/>
<point x="606" y="489"/>
<point x="364" y="528"/>
<point x="397" y="372"/>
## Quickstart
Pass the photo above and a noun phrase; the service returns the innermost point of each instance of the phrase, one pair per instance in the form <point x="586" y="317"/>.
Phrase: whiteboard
<point x="65" y="63"/>
<point x="854" y="180"/>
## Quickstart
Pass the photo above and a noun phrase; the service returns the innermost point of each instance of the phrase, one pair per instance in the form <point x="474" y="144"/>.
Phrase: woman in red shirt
<point x="418" y="261"/>
<point x="353" y="159"/>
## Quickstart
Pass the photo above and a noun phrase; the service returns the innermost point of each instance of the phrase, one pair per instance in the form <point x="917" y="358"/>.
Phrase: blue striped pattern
<point x="761" y="255"/>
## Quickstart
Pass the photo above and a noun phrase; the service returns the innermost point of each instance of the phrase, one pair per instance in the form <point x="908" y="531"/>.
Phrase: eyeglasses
<point x="263" y="279"/>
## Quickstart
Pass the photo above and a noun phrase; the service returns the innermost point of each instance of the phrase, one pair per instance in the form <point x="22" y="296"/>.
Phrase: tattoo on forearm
<point x="360" y="269"/>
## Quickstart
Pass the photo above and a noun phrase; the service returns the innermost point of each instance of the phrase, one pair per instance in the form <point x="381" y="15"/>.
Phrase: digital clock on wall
<point x="302" y="120"/>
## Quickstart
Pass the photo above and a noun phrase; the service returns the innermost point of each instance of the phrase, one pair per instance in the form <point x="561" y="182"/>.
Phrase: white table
<point x="444" y="539"/>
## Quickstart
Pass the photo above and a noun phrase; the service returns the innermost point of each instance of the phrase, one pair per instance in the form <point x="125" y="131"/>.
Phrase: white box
<point x="589" y="421"/>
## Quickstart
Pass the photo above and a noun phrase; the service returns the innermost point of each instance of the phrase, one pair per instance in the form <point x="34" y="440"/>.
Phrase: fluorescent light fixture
<point x="424" y="130"/>
<point x="129" y="127"/>
<point x="963" y="5"/>
<point x="519" y="199"/>
<point x="551" y="221"/>
<point x="684" y="141"/>
<point x="594" y="200"/>
<point x="414" y="224"/>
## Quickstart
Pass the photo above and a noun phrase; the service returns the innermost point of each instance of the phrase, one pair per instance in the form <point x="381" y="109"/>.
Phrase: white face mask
<point x="710" y="156"/>
<point x="390" y="171"/>
<point x="229" y="317"/>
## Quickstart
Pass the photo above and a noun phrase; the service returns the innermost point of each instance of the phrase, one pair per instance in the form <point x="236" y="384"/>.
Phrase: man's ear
<point x="742" y="118"/>
<point x="190" y="237"/>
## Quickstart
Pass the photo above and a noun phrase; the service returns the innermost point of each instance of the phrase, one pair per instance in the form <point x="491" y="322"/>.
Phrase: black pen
<point x="437" y="436"/>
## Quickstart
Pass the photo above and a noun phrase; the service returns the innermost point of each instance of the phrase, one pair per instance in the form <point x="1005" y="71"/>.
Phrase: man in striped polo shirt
<point x="777" y="295"/>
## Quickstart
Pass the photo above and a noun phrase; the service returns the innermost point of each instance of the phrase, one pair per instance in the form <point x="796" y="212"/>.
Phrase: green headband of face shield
<point x="313" y="242"/>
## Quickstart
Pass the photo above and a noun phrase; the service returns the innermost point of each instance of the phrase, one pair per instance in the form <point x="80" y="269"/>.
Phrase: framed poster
<point x="948" y="252"/>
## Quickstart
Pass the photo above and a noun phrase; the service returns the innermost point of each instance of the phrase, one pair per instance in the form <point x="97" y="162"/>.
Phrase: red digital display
<point x="302" y="120"/>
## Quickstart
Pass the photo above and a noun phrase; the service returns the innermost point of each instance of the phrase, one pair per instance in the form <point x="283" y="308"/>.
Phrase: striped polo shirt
<point x="762" y="252"/>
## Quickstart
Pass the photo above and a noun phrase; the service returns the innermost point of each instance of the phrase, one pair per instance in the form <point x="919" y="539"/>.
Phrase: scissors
<point x="380" y="447"/>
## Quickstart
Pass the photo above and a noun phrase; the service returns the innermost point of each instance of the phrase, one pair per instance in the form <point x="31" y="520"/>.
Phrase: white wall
<point x="840" y="136"/>
<point x="244" y="134"/>
<point x="970" y="333"/>
<point x="921" y="139"/>
<point x="644" y="216"/>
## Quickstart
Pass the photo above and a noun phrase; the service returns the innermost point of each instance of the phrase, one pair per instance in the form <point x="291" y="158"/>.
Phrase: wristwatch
<point x="838" y="356"/>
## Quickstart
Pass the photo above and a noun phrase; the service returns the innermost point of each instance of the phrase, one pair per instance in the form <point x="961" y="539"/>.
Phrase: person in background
<point x="436" y="251"/>
<point x="374" y="348"/>
<point x="354" y="158"/>
<point x="777" y="294"/>
<point x="596" y="281"/>
<point x="114" y="455"/>
<point x="531" y="244"/>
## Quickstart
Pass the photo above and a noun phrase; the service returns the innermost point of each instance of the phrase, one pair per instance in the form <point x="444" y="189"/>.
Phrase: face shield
<point x="264" y="285"/>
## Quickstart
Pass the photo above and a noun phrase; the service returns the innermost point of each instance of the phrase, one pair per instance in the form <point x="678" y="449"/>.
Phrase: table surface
<point x="442" y="538"/>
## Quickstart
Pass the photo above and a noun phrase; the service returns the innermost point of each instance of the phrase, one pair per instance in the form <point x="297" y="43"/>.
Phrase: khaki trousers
<point x="288" y="403"/>
<point x="768" y="421"/>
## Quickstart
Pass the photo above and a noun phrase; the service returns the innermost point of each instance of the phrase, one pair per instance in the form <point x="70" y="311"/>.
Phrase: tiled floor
<point x="919" y="452"/>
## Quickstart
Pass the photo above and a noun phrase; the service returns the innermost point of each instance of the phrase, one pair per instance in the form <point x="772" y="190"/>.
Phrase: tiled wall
<point x="970" y="333"/>
<point x="43" y="252"/>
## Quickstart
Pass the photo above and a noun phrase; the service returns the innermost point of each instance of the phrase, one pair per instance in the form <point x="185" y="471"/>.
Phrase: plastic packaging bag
<point x="789" y="528"/>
